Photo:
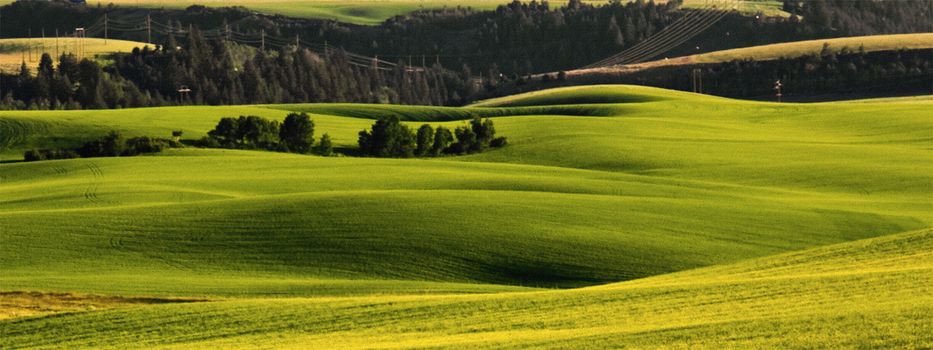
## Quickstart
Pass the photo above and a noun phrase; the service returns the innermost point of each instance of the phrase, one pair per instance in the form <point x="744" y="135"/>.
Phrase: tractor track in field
<point x="90" y="193"/>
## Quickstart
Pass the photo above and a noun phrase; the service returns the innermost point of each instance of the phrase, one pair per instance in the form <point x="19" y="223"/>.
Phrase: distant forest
<point x="827" y="75"/>
<point x="462" y="54"/>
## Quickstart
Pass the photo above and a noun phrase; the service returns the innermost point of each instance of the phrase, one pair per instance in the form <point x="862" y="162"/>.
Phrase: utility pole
<point x="105" y="29"/>
<point x="184" y="93"/>
<point x="227" y="30"/>
<point x="376" y="63"/>
<point x="148" y="29"/>
<point x="777" y="89"/>
<point x="693" y="79"/>
<point x="696" y="76"/>
<point x="297" y="42"/>
<point x="326" y="49"/>
<point x="79" y="42"/>
<point x="262" y="34"/>
<point x="700" y="79"/>
<point x="56" y="42"/>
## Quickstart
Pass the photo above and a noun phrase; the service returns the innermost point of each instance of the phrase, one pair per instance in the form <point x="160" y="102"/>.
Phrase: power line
<point x="671" y="36"/>
<point x="682" y="22"/>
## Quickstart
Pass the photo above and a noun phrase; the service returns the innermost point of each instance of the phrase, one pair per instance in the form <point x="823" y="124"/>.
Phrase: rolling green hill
<point x="372" y="12"/>
<point x="865" y="294"/>
<point x="871" y="43"/>
<point x="686" y="219"/>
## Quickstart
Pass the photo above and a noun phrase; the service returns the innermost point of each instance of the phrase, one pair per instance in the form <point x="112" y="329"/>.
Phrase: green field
<point x="372" y="12"/>
<point x="617" y="216"/>
<point x="13" y="52"/>
<point x="870" y="43"/>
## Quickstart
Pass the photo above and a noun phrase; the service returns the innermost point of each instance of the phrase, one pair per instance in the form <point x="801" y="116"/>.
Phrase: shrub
<point x="225" y="133"/>
<point x="388" y="138"/>
<point x="48" y="154"/>
<point x="138" y="145"/>
<point x="63" y="154"/>
<point x="466" y="140"/>
<point x="113" y="144"/>
<point x="246" y="132"/>
<point x="32" y="156"/>
<point x="442" y="139"/>
<point x="499" y="142"/>
<point x="325" y="147"/>
<point x="208" y="142"/>
<point x="256" y="132"/>
<point x="485" y="132"/>
<point x="297" y="132"/>
<point x="425" y="140"/>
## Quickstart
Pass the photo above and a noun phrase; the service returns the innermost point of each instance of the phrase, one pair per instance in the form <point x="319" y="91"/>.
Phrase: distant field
<point x="764" y="7"/>
<point x="14" y="51"/>
<point x="871" y="43"/>
<point x="617" y="216"/>
<point x="372" y="12"/>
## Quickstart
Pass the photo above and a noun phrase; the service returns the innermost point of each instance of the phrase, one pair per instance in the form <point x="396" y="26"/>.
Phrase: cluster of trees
<point x="854" y="18"/>
<point x="111" y="145"/>
<point x="825" y="74"/>
<point x="389" y="138"/>
<point x="72" y="84"/>
<point x="219" y="72"/>
<point x="295" y="134"/>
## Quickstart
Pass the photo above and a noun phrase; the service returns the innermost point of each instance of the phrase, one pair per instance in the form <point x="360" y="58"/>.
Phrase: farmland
<point x="795" y="49"/>
<point x="372" y="12"/>
<point x="13" y="52"/>
<point x="617" y="216"/>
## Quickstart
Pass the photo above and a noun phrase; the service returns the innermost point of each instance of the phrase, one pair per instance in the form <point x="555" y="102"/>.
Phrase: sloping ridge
<point x="589" y="94"/>
<point x="857" y="294"/>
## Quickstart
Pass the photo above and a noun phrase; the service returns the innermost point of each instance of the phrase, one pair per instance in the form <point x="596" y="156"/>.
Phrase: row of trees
<point x="295" y="134"/>
<point x="217" y="73"/>
<point x="389" y="138"/>
<point x="111" y="145"/>
<point x="830" y="74"/>
<point x="514" y="39"/>
<point x="72" y="84"/>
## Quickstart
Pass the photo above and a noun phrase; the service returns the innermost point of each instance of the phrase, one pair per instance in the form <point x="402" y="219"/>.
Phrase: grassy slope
<point x="866" y="294"/>
<point x="372" y="12"/>
<point x="14" y="51"/>
<point x="871" y="43"/>
<point x="368" y="12"/>
<point x="297" y="217"/>
<point x="659" y="182"/>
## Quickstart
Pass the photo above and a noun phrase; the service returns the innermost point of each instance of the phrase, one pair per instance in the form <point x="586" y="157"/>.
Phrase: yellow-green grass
<point x="872" y="293"/>
<point x="639" y="184"/>
<point x="13" y="52"/>
<point x="772" y="8"/>
<point x="367" y="12"/>
<point x="371" y="12"/>
<point x="870" y="43"/>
